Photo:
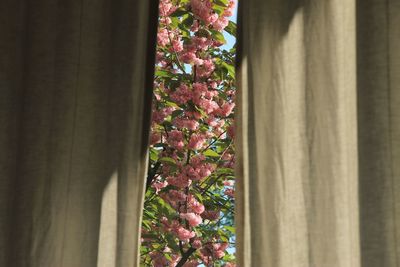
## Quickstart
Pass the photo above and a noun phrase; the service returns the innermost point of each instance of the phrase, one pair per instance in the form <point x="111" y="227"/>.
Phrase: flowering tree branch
<point x="188" y="214"/>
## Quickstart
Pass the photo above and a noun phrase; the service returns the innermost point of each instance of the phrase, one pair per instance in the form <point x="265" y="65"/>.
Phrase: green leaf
<point x="187" y="21"/>
<point x="174" y="22"/>
<point x="222" y="2"/>
<point x="230" y="229"/>
<point x="163" y="73"/>
<point x="171" y="104"/>
<point x="168" y="160"/>
<point x="168" y="256"/>
<point x="153" y="155"/>
<point x="218" y="8"/>
<point x="179" y="12"/>
<point x="224" y="238"/>
<point x="218" y="36"/>
<point x="231" y="28"/>
<point x="201" y="111"/>
<point x="210" y="153"/>
<point x="229" y="68"/>
<point x="199" y="196"/>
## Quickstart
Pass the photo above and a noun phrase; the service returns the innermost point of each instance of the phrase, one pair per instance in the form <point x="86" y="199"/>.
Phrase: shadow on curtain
<point x="76" y="82"/>
<point x="318" y="134"/>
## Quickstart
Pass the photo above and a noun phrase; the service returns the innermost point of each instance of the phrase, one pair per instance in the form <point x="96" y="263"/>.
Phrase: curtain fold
<point x="378" y="51"/>
<point x="318" y="141"/>
<point x="76" y="81"/>
<point x="318" y="122"/>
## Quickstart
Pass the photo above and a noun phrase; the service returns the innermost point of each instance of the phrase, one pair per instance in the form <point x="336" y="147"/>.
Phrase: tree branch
<point x="185" y="257"/>
<point x="151" y="175"/>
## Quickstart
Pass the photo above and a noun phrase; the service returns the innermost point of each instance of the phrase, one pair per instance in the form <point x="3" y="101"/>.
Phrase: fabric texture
<point x="75" y="81"/>
<point x="318" y="146"/>
<point x="318" y="122"/>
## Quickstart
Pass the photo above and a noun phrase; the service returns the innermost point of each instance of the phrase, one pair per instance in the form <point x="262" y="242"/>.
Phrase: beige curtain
<point x="75" y="85"/>
<point x="319" y="133"/>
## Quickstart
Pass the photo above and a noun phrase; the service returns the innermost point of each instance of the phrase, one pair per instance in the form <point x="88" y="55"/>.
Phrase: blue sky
<point x="230" y="40"/>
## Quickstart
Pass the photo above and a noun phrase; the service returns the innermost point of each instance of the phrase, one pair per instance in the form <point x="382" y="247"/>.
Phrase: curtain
<point x="318" y="122"/>
<point x="318" y="143"/>
<point x="75" y="80"/>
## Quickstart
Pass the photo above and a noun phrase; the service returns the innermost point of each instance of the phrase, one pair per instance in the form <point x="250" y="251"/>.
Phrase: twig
<point x="151" y="175"/>
<point x="213" y="142"/>
<point x="186" y="256"/>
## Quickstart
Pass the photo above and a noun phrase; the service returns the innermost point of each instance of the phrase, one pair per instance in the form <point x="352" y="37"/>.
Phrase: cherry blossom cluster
<point x="188" y="212"/>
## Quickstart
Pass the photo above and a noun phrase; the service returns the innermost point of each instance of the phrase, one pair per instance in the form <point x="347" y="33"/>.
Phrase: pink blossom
<point x="173" y="197"/>
<point x="206" y="170"/>
<point x="210" y="94"/>
<point x="211" y="19"/>
<point x="192" y="218"/>
<point x="155" y="138"/>
<point x="192" y="173"/>
<point x="177" y="45"/>
<point x="159" y="185"/>
<point x="190" y="58"/>
<point x="227" y="156"/>
<point x="194" y="205"/>
<point x="196" y="141"/>
<point x="213" y="84"/>
<point x="220" y="246"/>
<point x="227" y="183"/>
<point x="176" y="195"/>
<point x="194" y="114"/>
<point x="229" y="11"/>
<point x="182" y="94"/>
<point x="165" y="20"/>
<point x="159" y="56"/>
<point x="209" y="106"/>
<point x="162" y="37"/>
<point x="219" y="254"/>
<point x="184" y="234"/>
<point x="181" y="181"/>
<point x="196" y="243"/>
<point x="192" y="263"/>
<point x="226" y="109"/>
<point x="212" y="121"/>
<point x="175" y="139"/>
<point x="215" y="250"/>
<point x="220" y="124"/>
<point x="203" y="10"/>
<point x="197" y="160"/>
<point x="160" y="115"/>
<point x="198" y="171"/>
<point x="199" y="90"/>
<point x="206" y="68"/>
<point x="166" y="8"/>
<point x="201" y="43"/>
<point x="186" y="123"/>
<point x="220" y="23"/>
